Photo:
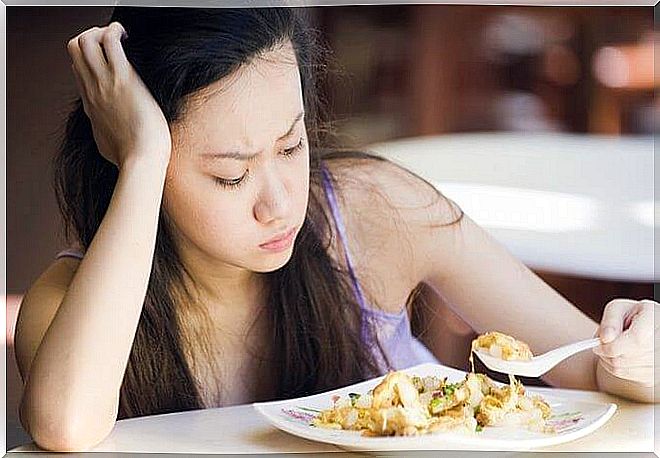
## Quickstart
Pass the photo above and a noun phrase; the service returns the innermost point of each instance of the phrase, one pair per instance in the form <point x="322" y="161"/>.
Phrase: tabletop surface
<point x="571" y="204"/>
<point x="240" y="429"/>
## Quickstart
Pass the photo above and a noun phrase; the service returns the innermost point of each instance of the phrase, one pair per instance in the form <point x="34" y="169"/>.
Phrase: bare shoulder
<point x="38" y="308"/>
<point x="392" y="187"/>
<point x="389" y="214"/>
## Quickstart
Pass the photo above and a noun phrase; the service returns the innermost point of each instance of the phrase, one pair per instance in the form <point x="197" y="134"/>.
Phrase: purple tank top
<point x="391" y="330"/>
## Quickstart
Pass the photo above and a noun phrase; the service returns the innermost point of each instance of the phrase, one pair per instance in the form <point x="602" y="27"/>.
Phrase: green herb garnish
<point x="354" y="397"/>
<point x="450" y="388"/>
<point x="437" y="404"/>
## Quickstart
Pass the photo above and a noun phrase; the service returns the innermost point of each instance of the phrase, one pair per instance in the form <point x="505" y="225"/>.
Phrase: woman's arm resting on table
<point x="76" y="326"/>
<point x="77" y="323"/>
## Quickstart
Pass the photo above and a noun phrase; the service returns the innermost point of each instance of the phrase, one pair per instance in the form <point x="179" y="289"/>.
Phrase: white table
<point x="568" y="204"/>
<point x="241" y="430"/>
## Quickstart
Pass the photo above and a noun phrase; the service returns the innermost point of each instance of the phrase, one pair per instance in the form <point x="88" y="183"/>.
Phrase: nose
<point x="272" y="203"/>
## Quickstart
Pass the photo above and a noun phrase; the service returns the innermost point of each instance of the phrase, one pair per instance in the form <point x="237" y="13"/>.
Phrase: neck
<point x="228" y="291"/>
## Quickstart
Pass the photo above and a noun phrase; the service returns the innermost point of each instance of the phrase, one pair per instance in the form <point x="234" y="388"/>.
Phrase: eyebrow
<point x="244" y="157"/>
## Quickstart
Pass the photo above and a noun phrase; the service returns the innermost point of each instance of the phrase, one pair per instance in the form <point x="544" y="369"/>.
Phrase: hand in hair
<point x="126" y="120"/>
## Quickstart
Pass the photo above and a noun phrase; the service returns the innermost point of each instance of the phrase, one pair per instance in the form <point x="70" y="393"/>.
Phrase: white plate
<point x="574" y="419"/>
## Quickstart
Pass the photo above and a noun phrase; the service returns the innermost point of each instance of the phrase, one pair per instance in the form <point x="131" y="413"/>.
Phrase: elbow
<point x="62" y="441"/>
<point x="63" y="433"/>
<point x="67" y="438"/>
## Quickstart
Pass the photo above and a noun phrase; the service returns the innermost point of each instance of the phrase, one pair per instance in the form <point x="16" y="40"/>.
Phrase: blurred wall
<point x="40" y="87"/>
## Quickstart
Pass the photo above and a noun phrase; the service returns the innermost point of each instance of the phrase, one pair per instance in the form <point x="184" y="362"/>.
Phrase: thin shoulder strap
<point x="70" y="253"/>
<point x="334" y="208"/>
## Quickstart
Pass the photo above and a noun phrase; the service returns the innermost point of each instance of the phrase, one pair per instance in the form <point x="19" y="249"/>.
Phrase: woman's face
<point x="239" y="173"/>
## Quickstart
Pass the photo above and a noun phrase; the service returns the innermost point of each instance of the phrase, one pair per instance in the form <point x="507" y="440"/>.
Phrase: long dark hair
<point x="312" y="310"/>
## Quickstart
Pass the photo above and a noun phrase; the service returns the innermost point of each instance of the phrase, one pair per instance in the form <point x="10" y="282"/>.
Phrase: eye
<point x="231" y="183"/>
<point x="234" y="183"/>
<point x="295" y="149"/>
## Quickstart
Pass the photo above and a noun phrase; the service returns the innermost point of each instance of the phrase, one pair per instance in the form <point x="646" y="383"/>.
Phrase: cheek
<point x="300" y="186"/>
<point x="210" y="218"/>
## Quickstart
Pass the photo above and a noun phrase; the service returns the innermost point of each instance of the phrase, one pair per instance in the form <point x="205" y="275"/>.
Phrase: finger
<point x="613" y="319"/>
<point x="638" y="338"/>
<point x="114" y="50"/>
<point x="79" y="85"/>
<point x="90" y="45"/>
<point x="81" y="70"/>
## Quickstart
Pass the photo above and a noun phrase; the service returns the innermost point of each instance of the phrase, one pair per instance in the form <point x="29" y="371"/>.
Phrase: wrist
<point x="144" y="163"/>
<point x="627" y="389"/>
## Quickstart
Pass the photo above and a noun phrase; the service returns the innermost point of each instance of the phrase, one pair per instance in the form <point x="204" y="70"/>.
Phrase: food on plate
<point x="404" y="405"/>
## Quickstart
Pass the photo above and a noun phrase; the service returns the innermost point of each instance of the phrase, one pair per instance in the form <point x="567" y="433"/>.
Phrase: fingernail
<point x="124" y="33"/>
<point x="608" y="334"/>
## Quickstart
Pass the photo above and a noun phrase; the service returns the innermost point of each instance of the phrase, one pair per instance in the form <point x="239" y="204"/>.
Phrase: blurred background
<point x="565" y="95"/>
<point x="430" y="69"/>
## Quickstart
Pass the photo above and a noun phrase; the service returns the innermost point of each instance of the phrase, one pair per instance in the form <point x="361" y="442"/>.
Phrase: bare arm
<point x="487" y="287"/>
<point x="74" y="372"/>
<point x="72" y="383"/>
<point x="492" y="290"/>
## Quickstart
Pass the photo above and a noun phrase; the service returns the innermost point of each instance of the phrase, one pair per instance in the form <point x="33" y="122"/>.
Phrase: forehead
<point x="247" y="110"/>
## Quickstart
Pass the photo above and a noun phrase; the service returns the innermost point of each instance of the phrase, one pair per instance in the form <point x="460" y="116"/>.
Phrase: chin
<point x="271" y="262"/>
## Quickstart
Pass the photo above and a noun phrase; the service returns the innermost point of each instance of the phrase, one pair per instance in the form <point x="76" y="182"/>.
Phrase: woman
<point x="226" y="256"/>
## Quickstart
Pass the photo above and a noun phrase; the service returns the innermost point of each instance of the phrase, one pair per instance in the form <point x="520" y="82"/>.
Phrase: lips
<point x="278" y="238"/>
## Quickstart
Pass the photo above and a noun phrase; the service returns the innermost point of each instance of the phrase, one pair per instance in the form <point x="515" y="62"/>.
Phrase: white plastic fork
<point x="538" y="365"/>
